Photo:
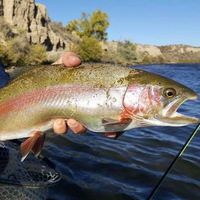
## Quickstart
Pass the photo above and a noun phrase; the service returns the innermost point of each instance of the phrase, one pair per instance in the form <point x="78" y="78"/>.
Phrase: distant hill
<point x="163" y="54"/>
<point x="172" y="53"/>
<point x="31" y="17"/>
<point x="180" y="53"/>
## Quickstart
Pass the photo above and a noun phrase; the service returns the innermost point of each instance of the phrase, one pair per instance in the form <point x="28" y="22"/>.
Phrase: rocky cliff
<point x="33" y="19"/>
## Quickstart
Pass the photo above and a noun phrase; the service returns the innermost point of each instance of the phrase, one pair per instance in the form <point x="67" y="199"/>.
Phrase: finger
<point x="75" y="126"/>
<point x="70" y="59"/>
<point x="60" y="126"/>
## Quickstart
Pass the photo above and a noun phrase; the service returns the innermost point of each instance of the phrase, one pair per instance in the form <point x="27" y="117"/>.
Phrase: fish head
<point x="153" y="100"/>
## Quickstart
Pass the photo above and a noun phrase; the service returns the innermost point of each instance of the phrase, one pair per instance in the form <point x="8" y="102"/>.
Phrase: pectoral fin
<point x="34" y="144"/>
<point x="112" y="125"/>
<point x="108" y="121"/>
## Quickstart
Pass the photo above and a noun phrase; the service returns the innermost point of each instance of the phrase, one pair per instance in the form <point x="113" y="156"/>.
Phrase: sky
<point x="154" y="22"/>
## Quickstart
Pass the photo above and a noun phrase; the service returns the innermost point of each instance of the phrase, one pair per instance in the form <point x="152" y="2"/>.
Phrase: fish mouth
<point x="173" y="118"/>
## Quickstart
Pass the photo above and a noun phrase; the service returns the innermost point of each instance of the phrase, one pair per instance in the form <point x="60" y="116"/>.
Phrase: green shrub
<point x="147" y="59"/>
<point x="6" y="29"/>
<point x="7" y="55"/>
<point x="109" y="56"/>
<point x="37" y="54"/>
<point x="126" y="53"/>
<point x="18" y="52"/>
<point x="88" y="49"/>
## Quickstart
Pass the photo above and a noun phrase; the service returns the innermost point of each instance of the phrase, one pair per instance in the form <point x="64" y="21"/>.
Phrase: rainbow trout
<point x="104" y="98"/>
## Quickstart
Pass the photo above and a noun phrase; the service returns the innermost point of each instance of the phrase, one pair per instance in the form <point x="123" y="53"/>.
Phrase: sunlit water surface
<point x="96" y="167"/>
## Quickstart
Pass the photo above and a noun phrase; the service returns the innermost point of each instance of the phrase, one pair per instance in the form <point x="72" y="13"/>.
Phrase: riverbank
<point x="160" y="54"/>
<point x="29" y="42"/>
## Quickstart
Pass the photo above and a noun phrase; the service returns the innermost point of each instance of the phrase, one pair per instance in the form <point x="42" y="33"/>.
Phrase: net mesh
<point x="24" y="180"/>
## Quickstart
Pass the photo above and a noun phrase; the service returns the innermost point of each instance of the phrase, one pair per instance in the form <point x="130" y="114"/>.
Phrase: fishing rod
<point x="150" y="197"/>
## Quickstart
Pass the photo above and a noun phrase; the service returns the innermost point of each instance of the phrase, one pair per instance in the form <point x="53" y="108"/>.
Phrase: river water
<point x="96" y="167"/>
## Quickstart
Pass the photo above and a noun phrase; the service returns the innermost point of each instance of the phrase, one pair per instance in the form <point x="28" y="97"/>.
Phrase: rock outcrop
<point x="180" y="53"/>
<point x="32" y="18"/>
<point x="149" y="50"/>
<point x="171" y="53"/>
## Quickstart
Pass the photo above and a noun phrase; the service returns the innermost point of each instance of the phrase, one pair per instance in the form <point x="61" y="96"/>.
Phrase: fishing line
<point x="173" y="163"/>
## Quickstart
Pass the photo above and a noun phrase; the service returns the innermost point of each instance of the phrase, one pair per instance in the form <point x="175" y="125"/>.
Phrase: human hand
<point x="69" y="59"/>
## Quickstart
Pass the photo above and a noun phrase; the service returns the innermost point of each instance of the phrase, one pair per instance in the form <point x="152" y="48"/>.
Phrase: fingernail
<point x="73" y="123"/>
<point x="75" y="60"/>
<point x="59" y="122"/>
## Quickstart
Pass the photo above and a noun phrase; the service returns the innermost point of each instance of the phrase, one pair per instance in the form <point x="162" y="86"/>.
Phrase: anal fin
<point x="34" y="143"/>
<point x="37" y="148"/>
<point x="113" y="135"/>
<point x="110" y="134"/>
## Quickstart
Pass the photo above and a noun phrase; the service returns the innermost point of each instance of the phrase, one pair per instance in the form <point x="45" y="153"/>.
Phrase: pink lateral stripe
<point x="30" y="98"/>
<point x="25" y="100"/>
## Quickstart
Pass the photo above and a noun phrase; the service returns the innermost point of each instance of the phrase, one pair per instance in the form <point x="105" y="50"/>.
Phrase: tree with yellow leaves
<point x="94" y="25"/>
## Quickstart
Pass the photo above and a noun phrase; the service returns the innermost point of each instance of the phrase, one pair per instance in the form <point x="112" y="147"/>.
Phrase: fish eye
<point x="169" y="93"/>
